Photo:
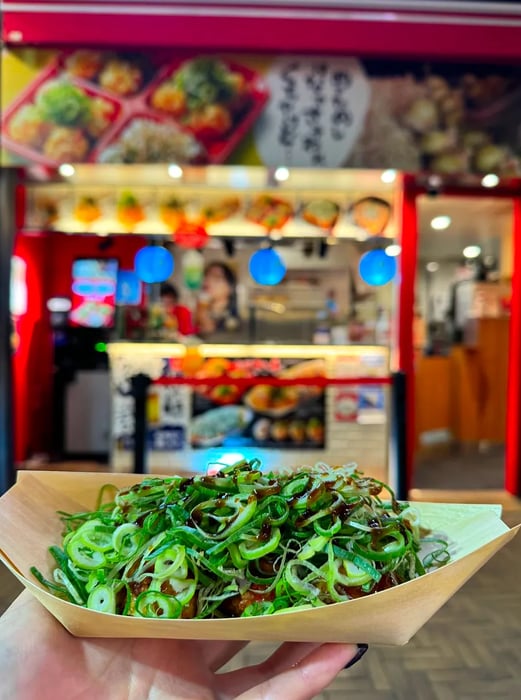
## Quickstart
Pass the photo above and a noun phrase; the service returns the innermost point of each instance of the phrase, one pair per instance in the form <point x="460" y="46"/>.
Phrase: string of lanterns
<point x="155" y="264"/>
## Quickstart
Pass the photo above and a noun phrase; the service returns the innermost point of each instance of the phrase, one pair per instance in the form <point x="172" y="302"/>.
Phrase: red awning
<point x="435" y="28"/>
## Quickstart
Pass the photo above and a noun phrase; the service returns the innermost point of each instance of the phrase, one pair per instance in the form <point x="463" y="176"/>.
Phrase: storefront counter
<point x="287" y="405"/>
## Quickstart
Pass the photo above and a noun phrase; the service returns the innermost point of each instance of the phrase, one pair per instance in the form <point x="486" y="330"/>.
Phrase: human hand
<point x="39" y="658"/>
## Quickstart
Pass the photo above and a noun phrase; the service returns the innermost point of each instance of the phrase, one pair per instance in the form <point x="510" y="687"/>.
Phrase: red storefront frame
<point x="487" y="31"/>
<point x="484" y="30"/>
<point x="413" y="187"/>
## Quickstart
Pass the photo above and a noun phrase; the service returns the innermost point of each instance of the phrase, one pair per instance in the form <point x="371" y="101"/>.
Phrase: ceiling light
<point x="440" y="223"/>
<point x="66" y="170"/>
<point x="175" y="171"/>
<point x="432" y="266"/>
<point x="281" y="174"/>
<point x="490" y="180"/>
<point x="393" y="250"/>
<point x="388" y="176"/>
<point x="472" y="251"/>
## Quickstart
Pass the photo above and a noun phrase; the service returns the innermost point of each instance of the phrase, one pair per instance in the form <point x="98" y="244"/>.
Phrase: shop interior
<point x="462" y="318"/>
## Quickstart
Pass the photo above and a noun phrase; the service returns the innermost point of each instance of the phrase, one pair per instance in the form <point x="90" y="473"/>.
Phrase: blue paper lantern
<point x="377" y="268"/>
<point x="267" y="267"/>
<point x="153" y="264"/>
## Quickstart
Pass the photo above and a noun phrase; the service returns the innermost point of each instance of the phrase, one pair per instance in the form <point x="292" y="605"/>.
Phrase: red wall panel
<point x="49" y="261"/>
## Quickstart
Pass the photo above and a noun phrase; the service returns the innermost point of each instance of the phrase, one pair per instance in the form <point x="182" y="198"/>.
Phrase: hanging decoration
<point x="377" y="268"/>
<point x="191" y="236"/>
<point x="153" y="264"/>
<point x="267" y="267"/>
<point x="193" y="269"/>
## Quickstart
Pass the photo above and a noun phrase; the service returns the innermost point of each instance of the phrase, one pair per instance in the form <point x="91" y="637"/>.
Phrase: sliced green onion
<point x="186" y="546"/>
<point x="83" y="556"/>
<point x="315" y="544"/>
<point x="103" y="599"/>
<point x="255" y="549"/>
<point x="171" y="562"/>
<point x="154" y="604"/>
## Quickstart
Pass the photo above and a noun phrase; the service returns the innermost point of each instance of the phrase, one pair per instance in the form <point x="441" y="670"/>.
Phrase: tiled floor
<point x="469" y="468"/>
<point x="470" y="650"/>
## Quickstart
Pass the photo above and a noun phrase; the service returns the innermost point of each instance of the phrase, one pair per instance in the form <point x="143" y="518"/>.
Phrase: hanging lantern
<point x="267" y="267"/>
<point x="153" y="264"/>
<point x="377" y="268"/>
<point x="191" y="236"/>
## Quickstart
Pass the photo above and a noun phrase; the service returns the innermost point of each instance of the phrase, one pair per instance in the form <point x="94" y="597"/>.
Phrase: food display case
<point x="285" y="405"/>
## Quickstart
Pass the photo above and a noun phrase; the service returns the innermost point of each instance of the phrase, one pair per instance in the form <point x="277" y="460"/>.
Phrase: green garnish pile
<point x="240" y="543"/>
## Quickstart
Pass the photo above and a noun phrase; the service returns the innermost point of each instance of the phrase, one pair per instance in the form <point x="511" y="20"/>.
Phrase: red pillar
<point x="406" y="296"/>
<point x="513" y="436"/>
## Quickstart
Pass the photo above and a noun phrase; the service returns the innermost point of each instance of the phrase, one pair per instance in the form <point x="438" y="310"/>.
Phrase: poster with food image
<point x="129" y="107"/>
<point x="93" y="292"/>
<point x="299" y="111"/>
<point x="282" y="416"/>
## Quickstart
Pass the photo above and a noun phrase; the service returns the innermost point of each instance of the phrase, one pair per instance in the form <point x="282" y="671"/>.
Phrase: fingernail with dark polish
<point x="362" y="648"/>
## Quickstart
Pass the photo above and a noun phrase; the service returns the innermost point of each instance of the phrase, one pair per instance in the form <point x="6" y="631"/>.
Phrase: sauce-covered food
<point x="239" y="543"/>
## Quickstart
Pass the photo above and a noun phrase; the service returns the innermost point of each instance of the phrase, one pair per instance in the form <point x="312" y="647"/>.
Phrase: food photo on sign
<point x="285" y="415"/>
<point x="305" y="111"/>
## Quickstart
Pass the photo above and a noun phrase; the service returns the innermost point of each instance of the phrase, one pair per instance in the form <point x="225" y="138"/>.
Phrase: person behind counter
<point x="174" y="311"/>
<point x="217" y="305"/>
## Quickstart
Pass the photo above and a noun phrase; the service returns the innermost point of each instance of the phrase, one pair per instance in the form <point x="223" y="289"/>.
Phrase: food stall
<point x="299" y="371"/>
<point x="289" y="127"/>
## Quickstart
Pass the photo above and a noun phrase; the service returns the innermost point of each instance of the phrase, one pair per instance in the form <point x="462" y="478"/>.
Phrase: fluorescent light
<point x="281" y="174"/>
<point x="393" y="250"/>
<point x="388" y="176"/>
<point x="66" y="170"/>
<point x="175" y="171"/>
<point x="472" y="251"/>
<point x="490" y="180"/>
<point x="440" y="223"/>
<point x="432" y="266"/>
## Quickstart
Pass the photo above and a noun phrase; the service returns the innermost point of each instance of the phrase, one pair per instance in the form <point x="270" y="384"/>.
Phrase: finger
<point x="286" y="656"/>
<point x="306" y="678"/>
<point x="217" y="654"/>
<point x="283" y="658"/>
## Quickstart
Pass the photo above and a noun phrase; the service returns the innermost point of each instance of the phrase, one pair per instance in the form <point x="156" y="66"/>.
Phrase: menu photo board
<point x="93" y="292"/>
<point x="299" y="111"/>
<point x="282" y="415"/>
